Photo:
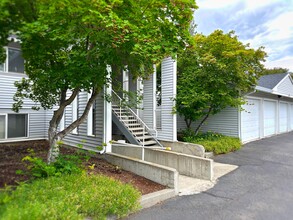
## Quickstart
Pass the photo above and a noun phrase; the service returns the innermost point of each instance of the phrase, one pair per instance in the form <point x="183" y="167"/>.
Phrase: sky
<point x="267" y="23"/>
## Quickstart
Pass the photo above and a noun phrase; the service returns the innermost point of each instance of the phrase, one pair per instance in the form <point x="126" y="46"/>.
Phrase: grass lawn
<point x="74" y="196"/>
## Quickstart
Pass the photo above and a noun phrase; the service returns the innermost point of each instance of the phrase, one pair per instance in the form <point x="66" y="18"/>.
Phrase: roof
<point x="270" y="81"/>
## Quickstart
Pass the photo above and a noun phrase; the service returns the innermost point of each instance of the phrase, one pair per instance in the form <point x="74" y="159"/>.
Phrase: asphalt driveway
<point x="261" y="188"/>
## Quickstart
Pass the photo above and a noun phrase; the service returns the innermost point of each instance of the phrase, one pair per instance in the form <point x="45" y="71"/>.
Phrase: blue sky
<point x="267" y="23"/>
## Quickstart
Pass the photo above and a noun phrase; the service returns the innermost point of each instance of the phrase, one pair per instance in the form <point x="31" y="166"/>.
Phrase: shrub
<point x="213" y="142"/>
<point x="69" y="197"/>
<point x="64" y="164"/>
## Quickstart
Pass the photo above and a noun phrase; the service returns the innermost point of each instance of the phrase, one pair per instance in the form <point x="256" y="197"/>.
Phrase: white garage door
<point x="270" y="122"/>
<point x="283" y="117"/>
<point x="250" y="120"/>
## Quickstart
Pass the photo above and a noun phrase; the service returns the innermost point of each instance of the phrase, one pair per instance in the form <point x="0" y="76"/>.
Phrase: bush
<point x="213" y="142"/>
<point x="69" y="197"/>
<point x="64" y="164"/>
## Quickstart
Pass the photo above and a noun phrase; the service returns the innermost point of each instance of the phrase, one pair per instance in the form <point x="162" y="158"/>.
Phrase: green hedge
<point x="69" y="197"/>
<point x="213" y="142"/>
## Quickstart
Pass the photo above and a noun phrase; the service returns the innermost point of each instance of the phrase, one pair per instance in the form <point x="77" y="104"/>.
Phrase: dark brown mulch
<point x="11" y="155"/>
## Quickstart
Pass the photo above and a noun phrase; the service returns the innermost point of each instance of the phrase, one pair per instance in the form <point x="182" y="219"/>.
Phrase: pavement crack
<point x="216" y="196"/>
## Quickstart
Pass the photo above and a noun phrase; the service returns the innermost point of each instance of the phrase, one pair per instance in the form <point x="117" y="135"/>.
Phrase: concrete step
<point x="145" y="137"/>
<point x="133" y="124"/>
<point x="151" y="142"/>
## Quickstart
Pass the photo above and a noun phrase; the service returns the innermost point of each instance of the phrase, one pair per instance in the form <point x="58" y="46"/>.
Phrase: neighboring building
<point x="268" y="111"/>
<point x="136" y="126"/>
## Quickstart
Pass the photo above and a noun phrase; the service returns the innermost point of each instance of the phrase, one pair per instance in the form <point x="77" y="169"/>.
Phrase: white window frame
<point x="6" y="126"/>
<point x="90" y="130"/>
<point x="74" y="113"/>
<point x="6" y="63"/>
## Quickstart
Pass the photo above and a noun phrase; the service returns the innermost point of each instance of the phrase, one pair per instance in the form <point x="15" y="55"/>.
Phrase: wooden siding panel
<point x="168" y="125"/>
<point x="226" y="122"/>
<point x="82" y="137"/>
<point x="148" y="98"/>
<point x="285" y="87"/>
<point x="8" y="90"/>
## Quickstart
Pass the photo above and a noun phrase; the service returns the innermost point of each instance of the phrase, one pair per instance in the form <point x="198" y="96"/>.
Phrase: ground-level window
<point x="2" y="126"/>
<point x="13" y="126"/>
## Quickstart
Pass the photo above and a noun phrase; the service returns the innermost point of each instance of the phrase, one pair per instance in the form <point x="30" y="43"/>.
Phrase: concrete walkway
<point x="190" y="186"/>
<point x="187" y="186"/>
<point x="260" y="188"/>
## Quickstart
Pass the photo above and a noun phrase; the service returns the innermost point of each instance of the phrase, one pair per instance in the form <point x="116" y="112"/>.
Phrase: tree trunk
<point x="203" y="120"/>
<point x="188" y="123"/>
<point x="53" y="135"/>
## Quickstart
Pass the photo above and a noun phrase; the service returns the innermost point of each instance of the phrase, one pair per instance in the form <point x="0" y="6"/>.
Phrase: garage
<point x="270" y="117"/>
<point x="283" y="117"/>
<point x="250" y="120"/>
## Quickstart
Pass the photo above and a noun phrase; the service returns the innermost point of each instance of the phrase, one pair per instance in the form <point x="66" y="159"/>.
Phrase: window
<point x="13" y="126"/>
<point x="14" y="61"/>
<point x="2" y="126"/>
<point x="91" y="119"/>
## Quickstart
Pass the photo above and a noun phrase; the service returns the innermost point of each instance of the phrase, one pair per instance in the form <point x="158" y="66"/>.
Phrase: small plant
<point x="64" y="164"/>
<point x="213" y="142"/>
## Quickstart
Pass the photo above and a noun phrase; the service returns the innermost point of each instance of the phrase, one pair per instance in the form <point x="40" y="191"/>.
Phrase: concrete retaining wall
<point x="188" y="165"/>
<point x="185" y="164"/>
<point x="160" y="174"/>
<point x="185" y="148"/>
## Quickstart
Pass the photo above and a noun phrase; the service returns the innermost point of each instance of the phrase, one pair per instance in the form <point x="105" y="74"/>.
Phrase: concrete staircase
<point x="132" y="127"/>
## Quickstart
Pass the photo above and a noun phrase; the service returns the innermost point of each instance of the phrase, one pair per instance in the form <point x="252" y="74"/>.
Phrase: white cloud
<point x="265" y="23"/>
<point x="285" y="62"/>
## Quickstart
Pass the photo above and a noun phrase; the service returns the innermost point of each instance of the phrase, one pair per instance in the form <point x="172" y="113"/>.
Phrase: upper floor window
<point x="14" y="61"/>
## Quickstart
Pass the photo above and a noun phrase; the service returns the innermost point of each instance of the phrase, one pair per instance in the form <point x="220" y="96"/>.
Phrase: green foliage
<point x="275" y="70"/>
<point x="213" y="142"/>
<point x="69" y="197"/>
<point x="64" y="164"/>
<point x="213" y="73"/>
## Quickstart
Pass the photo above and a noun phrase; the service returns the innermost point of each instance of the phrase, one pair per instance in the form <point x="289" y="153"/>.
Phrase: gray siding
<point x="81" y="137"/>
<point x="37" y="128"/>
<point x="285" y="87"/>
<point x="8" y="90"/>
<point x="148" y="102"/>
<point x="169" y="126"/>
<point x="226" y="122"/>
<point x="37" y="120"/>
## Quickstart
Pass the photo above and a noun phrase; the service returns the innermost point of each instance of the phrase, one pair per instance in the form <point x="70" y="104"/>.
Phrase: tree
<point x="275" y="70"/>
<point x="214" y="73"/>
<point x="68" y="46"/>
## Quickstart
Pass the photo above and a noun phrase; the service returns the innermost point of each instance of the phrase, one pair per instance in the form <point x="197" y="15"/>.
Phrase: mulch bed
<point x="11" y="155"/>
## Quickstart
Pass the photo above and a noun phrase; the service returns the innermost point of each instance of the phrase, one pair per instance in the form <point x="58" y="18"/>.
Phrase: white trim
<point x="107" y="120"/>
<point x="74" y="113"/>
<point x="5" y="125"/>
<point x="62" y="122"/>
<point x="90" y="118"/>
<point x="154" y="101"/>
<point x="174" y="96"/>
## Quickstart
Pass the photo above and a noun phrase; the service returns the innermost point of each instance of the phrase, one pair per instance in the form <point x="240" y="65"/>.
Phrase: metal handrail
<point x="137" y="118"/>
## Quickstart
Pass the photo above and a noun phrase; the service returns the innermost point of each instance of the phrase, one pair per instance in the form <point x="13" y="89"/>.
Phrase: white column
<point x="125" y="78"/>
<point x="108" y="115"/>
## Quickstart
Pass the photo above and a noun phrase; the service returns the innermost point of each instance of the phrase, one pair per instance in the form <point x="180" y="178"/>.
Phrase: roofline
<point x="282" y="81"/>
<point x="271" y="91"/>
